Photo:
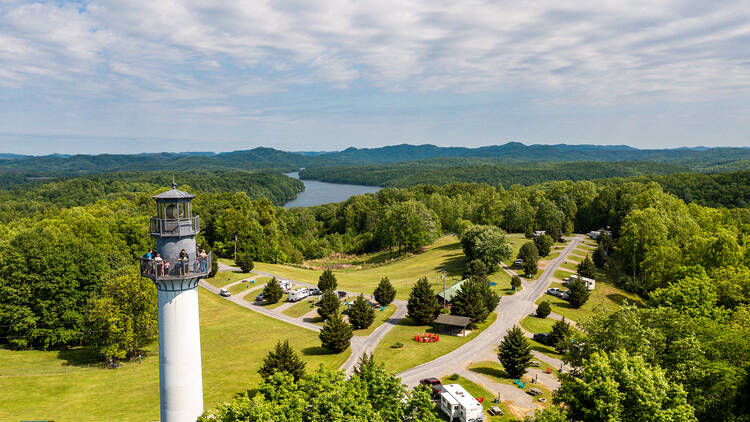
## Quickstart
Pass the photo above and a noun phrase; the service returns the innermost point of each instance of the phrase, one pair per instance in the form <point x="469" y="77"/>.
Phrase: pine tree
<point x="365" y="365"/>
<point x="600" y="257"/>
<point x="336" y="334"/>
<point x="469" y="302"/>
<point x="384" y="293"/>
<point x="514" y="352"/>
<point x="476" y="268"/>
<point x="273" y="292"/>
<point x="579" y="293"/>
<point x="245" y="262"/>
<point x="543" y="244"/>
<point x="560" y="335"/>
<point x="530" y="255"/>
<point x="327" y="281"/>
<point x="423" y="306"/>
<point x="329" y="304"/>
<point x="361" y="314"/>
<point x="543" y="310"/>
<point x="283" y="358"/>
<point x="587" y="268"/>
<point x="491" y="298"/>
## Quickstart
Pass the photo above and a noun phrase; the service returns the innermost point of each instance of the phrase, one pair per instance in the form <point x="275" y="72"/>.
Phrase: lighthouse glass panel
<point x="183" y="208"/>
<point x="170" y="209"/>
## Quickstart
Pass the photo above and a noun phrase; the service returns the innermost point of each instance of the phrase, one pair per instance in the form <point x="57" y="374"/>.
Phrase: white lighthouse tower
<point x="176" y="267"/>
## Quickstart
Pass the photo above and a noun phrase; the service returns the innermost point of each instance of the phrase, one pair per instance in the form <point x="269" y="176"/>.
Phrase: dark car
<point x="433" y="384"/>
<point x="542" y="338"/>
<point x="259" y="298"/>
<point x="314" y="291"/>
<point x="341" y="293"/>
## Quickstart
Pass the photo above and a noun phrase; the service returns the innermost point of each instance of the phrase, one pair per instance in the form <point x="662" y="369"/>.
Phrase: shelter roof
<point x="453" y="320"/>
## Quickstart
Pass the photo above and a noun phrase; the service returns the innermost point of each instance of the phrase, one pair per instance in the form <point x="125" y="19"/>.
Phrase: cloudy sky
<point x="151" y="75"/>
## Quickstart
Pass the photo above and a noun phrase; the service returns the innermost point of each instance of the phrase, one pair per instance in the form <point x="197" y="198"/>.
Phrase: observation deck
<point x="158" y="269"/>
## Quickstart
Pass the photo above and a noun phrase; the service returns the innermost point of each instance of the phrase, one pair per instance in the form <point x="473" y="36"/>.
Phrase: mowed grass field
<point x="444" y="255"/>
<point x="222" y="278"/>
<point x="606" y="297"/>
<point x="37" y="385"/>
<point x="413" y="353"/>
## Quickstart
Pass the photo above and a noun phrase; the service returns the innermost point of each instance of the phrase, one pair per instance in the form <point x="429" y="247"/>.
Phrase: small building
<point x="453" y="323"/>
<point x="445" y="296"/>
<point x="459" y="405"/>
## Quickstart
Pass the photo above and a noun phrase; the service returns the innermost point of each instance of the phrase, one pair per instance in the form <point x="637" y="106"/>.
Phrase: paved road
<point x="367" y="344"/>
<point x="510" y="310"/>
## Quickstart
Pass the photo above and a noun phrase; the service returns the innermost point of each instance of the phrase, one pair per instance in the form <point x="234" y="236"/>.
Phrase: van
<point x="224" y="292"/>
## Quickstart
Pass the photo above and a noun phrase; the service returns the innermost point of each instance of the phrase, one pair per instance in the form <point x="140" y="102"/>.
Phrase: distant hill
<point x="11" y="156"/>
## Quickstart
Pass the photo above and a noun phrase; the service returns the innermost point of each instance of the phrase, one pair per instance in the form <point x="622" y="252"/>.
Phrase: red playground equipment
<point x="426" y="338"/>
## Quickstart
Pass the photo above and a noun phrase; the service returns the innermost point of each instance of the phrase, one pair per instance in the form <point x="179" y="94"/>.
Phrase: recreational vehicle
<point x="299" y="294"/>
<point x="459" y="405"/>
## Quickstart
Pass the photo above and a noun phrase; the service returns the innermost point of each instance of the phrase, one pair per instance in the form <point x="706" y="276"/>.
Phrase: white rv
<point x="299" y="294"/>
<point x="590" y="282"/>
<point x="286" y="285"/>
<point x="459" y="405"/>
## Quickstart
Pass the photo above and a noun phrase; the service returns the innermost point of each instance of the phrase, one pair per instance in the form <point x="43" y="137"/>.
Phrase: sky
<point x="150" y="75"/>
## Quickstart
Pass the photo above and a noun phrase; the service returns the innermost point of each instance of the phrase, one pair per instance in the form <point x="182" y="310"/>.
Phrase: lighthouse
<point x="176" y="267"/>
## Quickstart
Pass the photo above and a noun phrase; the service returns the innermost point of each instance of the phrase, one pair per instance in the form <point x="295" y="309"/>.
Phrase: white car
<point x="518" y="262"/>
<point x="224" y="292"/>
<point x="554" y="291"/>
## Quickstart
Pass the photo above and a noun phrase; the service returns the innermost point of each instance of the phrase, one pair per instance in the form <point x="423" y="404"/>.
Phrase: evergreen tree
<point x="283" y="358"/>
<point x="515" y="282"/>
<point x="560" y="335"/>
<point x="365" y="364"/>
<point x="214" y="266"/>
<point x="384" y="293"/>
<point x="476" y="268"/>
<point x="530" y="255"/>
<point x="587" y="268"/>
<point x="469" y="302"/>
<point x="515" y="352"/>
<point x="423" y="306"/>
<point x="272" y="292"/>
<point x="491" y="299"/>
<point x="599" y="256"/>
<point x="361" y="313"/>
<point x="336" y="334"/>
<point x="543" y="310"/>
<point x="245" y="262"/>
<point x="543" y="244"/>
<point x="329" y="304"/>
<point x="579" y="293"/>
<point x="327" y="281"/>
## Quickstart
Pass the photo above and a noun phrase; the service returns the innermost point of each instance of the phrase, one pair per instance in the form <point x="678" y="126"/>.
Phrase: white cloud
<point x="576" y="51"/>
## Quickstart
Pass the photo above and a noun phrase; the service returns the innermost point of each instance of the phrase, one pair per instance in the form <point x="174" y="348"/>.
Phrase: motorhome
<point x="286" y="285"/>
<point x="299" y="294"/>
<point x="459" y="405"/>
<point x="590" y="282"/>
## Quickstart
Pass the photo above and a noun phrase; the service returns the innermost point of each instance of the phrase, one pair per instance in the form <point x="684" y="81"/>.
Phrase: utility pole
<point x="442" y="275"/>
<point x="235" y="248"/>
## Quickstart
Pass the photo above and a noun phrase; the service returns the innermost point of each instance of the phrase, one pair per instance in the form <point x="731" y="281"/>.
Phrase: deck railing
<point x="180" y="227"/>
<point x="170" y="268"/>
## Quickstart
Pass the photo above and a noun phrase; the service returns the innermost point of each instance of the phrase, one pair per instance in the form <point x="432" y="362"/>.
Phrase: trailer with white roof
<point x="459" y="405"/>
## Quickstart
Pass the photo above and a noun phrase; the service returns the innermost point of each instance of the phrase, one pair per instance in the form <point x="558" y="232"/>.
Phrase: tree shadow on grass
<point x="79" y="356"/>
<point x="490" y="371"/>
<point x="620" y="299"/>
<point x="449" y="247"/>
<point x="313" y="320"/>
<point x="452" y="266"/>
<point x="316" y="351"/>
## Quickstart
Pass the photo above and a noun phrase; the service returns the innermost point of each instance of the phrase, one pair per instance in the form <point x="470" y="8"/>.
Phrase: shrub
<point x="245" y="262"/>
<point x="543" y="310"/>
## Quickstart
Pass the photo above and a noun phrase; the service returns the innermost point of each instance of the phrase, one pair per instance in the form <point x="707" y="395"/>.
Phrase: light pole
<point x="235" y="249"/>
<point x="442" y="275"/>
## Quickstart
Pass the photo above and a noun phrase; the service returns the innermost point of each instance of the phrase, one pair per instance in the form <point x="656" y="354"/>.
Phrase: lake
<point x="318" y="193"/>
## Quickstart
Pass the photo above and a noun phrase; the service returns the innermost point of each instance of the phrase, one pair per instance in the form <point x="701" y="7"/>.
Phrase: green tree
<point x="272" y="292"/>
<point x="336" y="334"/>
<point x="123" y="318"/>
<point x="423" y="306"/>
<point x="476" y="268"/>
<point x="616" y="386"/>
<point x="515" y="282"/>
<point x="384" y="293"/>
<point x="514" y="352"/>
<point x="329" y="304"/>
<point x="214" y="267"/>
<point x="560" y="335"/>
<point x="409" y="225"/>
<point x="549" y="414"/>
<point x="469" y="301"/>
<point x="361" y="315"/>
<point x="693" y="296"/>
<point x="327" y="281"/>
<point x="600" y="256"/>
<point x="543" y="309"/>
<point x="579" y="293"/>
<point x="587" y="268"/>
<point x="544" y="244"/>
<point x="486" y="243"/>
<point x="283" y="358"/>
<point x="530" y="255"/>
<point x="245" y="262"/>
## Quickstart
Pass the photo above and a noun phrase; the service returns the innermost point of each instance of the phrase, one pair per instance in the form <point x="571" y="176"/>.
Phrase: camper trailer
<point x="590" y="282"/>
<point x="459" y="405"/>
<point x="299" y="294"/>
<point x="286" y="285"/>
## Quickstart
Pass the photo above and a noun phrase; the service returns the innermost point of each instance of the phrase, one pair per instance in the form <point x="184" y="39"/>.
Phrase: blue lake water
<point x="318" y="193"/>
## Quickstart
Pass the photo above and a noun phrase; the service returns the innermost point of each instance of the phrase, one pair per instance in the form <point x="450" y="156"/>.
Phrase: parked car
<point x="341" y="293"/>
<point x="259" y="298"/>
<point x="542" y="338"/>
<point x="433" y="384"/>
<point x="554" y="291"/>
<point x="224" y="292"/>
<point x="534" y="391"/>
<point x="314" y="291"/>
<point x="564" y="295"/>
<point x="518" y="262"/>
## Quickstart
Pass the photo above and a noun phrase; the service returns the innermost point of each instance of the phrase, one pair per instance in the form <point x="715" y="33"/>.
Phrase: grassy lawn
<point x="59" y="385"/>
<point x="605" y="298"/>
<point x="223" y="278"/>
<point x="574" y="258"/>
<point x="516" y="240"/>
<point x="413" y="353"/>
<point x="502" y="280"/>
<point x="572" y="266"/>
<point x="444" y="255"/>
<point x="496" y="372"/>
<point x="534" y="324"/>
<point x="551" y="256"/>
<point x="298" y="309"/>
<point x="241" y="287"/>
<point x="477" y="391"/>
<point x="380" y="318"/>
<point x="561" y="274"/>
